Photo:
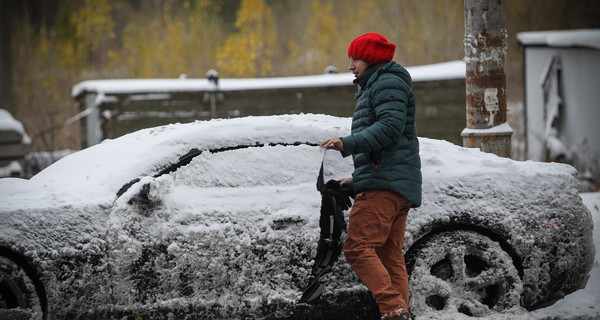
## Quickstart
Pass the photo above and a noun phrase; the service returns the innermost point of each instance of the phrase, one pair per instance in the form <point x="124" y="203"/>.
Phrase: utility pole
<point x="485" y="53"/>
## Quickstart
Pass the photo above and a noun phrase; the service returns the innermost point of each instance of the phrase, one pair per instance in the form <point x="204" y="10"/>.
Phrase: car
<point x="219" y="219"/>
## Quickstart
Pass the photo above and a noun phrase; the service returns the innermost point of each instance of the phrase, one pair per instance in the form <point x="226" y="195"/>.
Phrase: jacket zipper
<point x="373" y="162"/>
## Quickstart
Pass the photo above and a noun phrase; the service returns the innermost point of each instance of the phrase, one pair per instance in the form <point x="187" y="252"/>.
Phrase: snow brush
<point x="334" y="200"/>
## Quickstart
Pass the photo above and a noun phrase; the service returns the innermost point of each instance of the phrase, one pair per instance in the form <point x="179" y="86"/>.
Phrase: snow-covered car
<point x="220" y="220"/>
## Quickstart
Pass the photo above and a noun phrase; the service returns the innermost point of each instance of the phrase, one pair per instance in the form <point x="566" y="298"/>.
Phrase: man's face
<point x="357" y="66"/>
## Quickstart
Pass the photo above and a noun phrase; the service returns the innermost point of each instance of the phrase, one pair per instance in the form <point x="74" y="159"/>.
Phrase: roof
<point x="12" y="130"/>
<point x="589" y="38"/>
<point x="440" y="71"/>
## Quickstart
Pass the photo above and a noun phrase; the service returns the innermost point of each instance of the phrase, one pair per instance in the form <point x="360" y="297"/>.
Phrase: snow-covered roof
<point x="561" y="38"/>
<point x="9" y="124"/>
<point x="439" y="71"/>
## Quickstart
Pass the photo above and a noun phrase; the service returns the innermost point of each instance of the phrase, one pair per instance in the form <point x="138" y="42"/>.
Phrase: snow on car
<point x="220" y="220"/>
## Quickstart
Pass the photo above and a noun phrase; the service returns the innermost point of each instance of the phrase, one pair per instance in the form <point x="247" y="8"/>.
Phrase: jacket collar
<point x="367" y="77"/>
<point x="363" y="79"/>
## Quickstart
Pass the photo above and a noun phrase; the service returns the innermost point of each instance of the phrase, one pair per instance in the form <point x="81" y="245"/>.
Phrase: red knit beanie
<point x="372" y="47"/>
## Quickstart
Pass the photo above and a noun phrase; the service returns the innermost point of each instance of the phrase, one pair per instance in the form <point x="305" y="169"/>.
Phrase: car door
<point x="234" y="228"/>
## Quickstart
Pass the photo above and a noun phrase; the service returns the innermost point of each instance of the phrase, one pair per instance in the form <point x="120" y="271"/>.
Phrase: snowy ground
<point x="585" y="303"/>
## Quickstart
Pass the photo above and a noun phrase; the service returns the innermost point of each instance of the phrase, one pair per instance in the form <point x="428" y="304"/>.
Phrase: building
<point x="114" y="107"/>
<point x="562" y="94"/>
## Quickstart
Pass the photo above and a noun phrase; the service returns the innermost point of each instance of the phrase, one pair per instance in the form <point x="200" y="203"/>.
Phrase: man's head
<point x="372" y="48"/>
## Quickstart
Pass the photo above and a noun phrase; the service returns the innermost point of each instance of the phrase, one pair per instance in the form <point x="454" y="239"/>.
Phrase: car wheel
<point x="462" y="271"/>
<point x="18" y="295"/>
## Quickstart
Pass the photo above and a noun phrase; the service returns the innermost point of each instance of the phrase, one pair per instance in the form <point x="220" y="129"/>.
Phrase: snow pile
<point x="35" y="162"/>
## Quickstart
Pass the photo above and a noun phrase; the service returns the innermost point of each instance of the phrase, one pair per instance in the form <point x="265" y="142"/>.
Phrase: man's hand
<point x="346" y="182"/>
<point x="333" y="143"/>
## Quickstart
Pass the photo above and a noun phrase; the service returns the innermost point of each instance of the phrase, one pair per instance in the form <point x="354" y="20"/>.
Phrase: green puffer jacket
<point x="383" y="141"/>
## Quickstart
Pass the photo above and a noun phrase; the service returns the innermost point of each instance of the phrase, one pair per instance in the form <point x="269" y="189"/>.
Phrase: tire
<point x="18" y="296"/>
<point x="462" y="271"/>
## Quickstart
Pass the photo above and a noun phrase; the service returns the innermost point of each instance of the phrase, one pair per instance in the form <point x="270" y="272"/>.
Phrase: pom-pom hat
<point x="372" y="47"/>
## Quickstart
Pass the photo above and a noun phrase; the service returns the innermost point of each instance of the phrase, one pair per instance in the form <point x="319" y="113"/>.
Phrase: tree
<point x="249" y="51"/>
<point x="313" y="52"/>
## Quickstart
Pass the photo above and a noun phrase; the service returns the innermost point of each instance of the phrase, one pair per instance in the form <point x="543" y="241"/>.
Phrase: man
<point x="387" y="171"/>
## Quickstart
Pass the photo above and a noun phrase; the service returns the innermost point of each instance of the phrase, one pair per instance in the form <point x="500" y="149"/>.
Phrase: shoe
<point x="404" y="316"/>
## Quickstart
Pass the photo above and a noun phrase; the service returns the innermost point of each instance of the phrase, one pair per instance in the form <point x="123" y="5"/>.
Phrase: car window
<point x="254" y="166"/>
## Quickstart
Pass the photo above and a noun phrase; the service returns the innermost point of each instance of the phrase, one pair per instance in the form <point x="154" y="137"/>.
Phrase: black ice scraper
<point x="334" y="200"/>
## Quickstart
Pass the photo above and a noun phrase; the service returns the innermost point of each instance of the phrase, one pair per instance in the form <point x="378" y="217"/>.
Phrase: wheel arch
<point x="517" y="260"/>
<point x="25" y="263"/>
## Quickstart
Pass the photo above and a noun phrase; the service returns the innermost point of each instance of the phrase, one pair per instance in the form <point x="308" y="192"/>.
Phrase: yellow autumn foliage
<point x="248" y="52"/>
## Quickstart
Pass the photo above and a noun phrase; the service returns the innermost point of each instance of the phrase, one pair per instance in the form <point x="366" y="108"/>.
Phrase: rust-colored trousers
<point x="373" y="247"/>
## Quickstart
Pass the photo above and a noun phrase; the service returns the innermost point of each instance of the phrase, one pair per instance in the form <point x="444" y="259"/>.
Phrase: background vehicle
<point x="219" y="219"/>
